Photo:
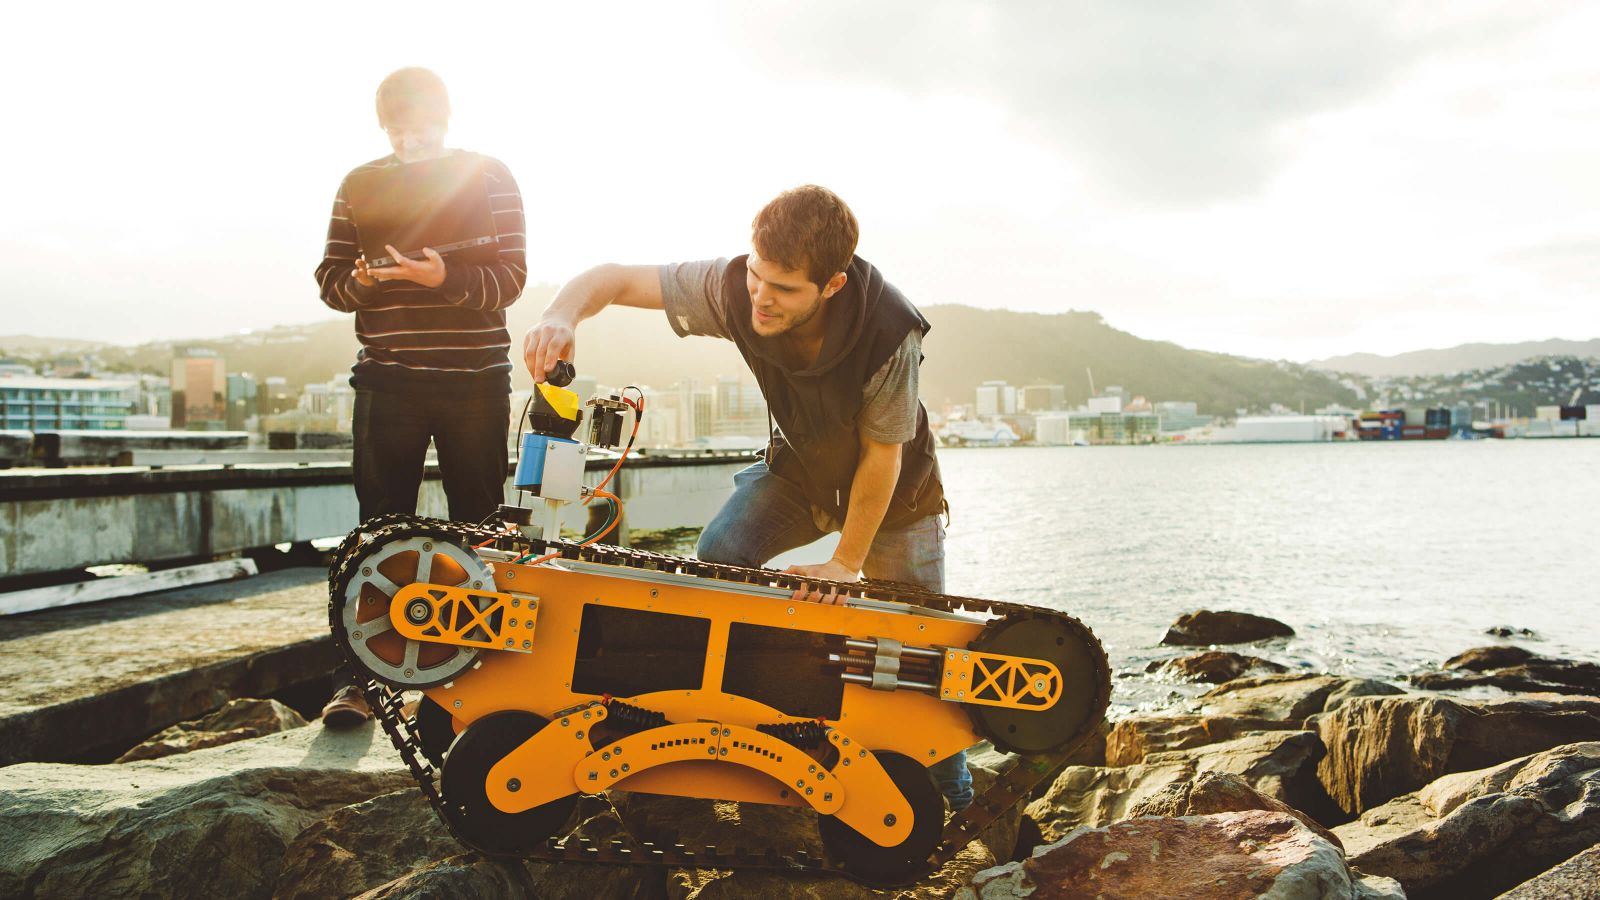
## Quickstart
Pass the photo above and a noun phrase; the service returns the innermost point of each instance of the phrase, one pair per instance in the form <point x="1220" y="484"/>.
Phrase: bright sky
<point x="1271" y="179"/>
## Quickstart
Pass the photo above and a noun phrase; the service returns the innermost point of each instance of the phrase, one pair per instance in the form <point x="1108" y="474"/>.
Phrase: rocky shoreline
<point x="1271" y="783"/>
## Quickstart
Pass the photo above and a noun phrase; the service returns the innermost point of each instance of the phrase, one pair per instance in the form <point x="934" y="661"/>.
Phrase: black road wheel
<point x="437" y="729"/>
<point x="1086" y="684"/>
<point x="473" y="818"/>
<point x="878" y="866"/>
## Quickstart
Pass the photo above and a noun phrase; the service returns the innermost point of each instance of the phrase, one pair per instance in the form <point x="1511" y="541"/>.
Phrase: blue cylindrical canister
<point x="530" y="462"/>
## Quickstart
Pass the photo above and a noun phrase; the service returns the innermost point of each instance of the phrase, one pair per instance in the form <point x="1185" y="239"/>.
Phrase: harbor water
<point x="1385" y="558"/>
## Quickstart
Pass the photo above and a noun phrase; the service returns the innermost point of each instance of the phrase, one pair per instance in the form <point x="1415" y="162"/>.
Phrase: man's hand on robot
<point x="832" y="570"/>
<point x="544" y="345"/>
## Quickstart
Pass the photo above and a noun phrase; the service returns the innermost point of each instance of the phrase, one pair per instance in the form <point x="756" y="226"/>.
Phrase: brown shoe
<point x="347" y="709"/>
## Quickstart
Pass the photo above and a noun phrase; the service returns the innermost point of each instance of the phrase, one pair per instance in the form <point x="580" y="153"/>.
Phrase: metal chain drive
<point x="963" y="827"/>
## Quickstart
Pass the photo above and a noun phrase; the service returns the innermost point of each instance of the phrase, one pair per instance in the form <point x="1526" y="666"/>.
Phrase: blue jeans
<point x="768" y="515"/>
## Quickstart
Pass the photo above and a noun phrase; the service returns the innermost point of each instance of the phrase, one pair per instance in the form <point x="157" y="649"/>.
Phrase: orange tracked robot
<point x="550" y="669"/>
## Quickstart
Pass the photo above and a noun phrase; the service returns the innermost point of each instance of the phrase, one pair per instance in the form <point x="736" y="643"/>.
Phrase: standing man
<point x="434" y="361"/>
<point x="835" y="349"/>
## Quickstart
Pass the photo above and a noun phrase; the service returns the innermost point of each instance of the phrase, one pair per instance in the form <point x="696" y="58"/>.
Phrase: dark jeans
<point x="391" y="437"/>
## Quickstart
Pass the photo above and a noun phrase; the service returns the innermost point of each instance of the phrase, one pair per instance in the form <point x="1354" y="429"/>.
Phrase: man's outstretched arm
<point x="584" y="296"/>
<point x="877" y="472"/>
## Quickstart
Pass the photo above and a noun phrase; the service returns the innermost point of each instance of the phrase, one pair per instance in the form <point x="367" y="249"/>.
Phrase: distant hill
<point x="966" y="347"/>
<point x="1464" y="358"/>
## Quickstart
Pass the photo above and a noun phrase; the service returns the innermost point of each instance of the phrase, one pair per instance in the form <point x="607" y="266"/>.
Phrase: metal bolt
<point x="791" y="610"/>
<point x="828" y="797"/>
<point x="594" y="776"/>
<point x="427" y="547"/>
<point x="921" y="627"/>
<point x="366" y="570"/>
<point x="565" y="722"/>
<point x="1039" y="686"/>
<point x="606" y="755"/>
<point x="812" y="768"/>
<point x="510" y="575"/>
<point x="624" y="767"/>
<point x="586" y="713"/>
<point x="527" y="645"/>
<point x="613" y="773"/>
<point x="930" y="752"/>
<point x="966" y="657"/>
<point x="513" y="785"/>
<point x="821" y="776"/>
<point x="515" y="603"/>
<point x="861" y="754"/>
<point x="408" y="673"/>
<point x="808" y="792"/>
<point x="846" y="742"/>
<point x="580" y="734"/>
<point x="725" y="732"/>
<point x="513" y="623"/>
<point x="847" y="760"/>
<point x="723" y="751"/>
<point x="713" y="731"/>
<point x="711" y="751"/>
<point x="356" y="635"/>
<point x="800" y="784"/>
<point x="533" y="604"/>
<point x="477" y="584"/>
<point x="653" y="592"/>
<point x="458" y="704"/>
<point x="949" y="673"/>
<point x="889" y="820"/>
<point x="961" y="694"/>
<point x="617" y="751"/>
<point x="511" y="642"/>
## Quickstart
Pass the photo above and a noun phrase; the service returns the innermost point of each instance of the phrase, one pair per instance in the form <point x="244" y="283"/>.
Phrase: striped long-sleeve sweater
<point x="452" y="337"/>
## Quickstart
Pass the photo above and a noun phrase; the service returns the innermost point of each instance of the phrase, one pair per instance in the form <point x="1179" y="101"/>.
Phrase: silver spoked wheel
<point x="386" y="654"/>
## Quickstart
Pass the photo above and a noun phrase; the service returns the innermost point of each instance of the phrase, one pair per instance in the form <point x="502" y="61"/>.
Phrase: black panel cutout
<point x="627" y="652"/>
<point x="786" y="669"/>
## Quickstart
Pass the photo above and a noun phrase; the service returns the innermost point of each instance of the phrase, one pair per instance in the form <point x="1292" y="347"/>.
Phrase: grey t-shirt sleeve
<point x="889" y="407"/>
<point x="689" y="292"/>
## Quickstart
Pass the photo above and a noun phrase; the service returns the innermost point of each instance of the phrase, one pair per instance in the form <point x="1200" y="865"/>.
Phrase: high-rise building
<point x="199" y="391"/>
<point x="242" y="390"/>
<point x="996" y="398"/>
<point x="1044" y="397"/>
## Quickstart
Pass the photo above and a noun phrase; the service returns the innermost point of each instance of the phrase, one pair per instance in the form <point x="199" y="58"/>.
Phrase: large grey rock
<point x="1279" y="764"/>
<point x="212" y="823"/>
<point x="472" y="877"/>
<point x="1381" y="747"/>
<point x="1213" y="666"/>
<point x="1227" y="855"/>
<point x="1204" y="627"/>
<point x="1216" y="792"/>
<point x="1488" y="830"/>
<point x="238" y="720"/>
<point x="360" y="847"/>
<point x="1576" y="879"/>
<point x="1514" y="669"/>
<point x="1286" y="698"/>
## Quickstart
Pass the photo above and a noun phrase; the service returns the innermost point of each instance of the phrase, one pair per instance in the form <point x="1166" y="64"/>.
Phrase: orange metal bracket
<point x="872" y="804"/>
<point x="540" y="770"/>
<point x="993" y="679"/>
<point x="444" y="614"/>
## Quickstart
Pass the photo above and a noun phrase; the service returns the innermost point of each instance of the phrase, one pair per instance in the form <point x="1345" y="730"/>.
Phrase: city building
<point x="199" y="391"/>
<point x="242" y="390"/>
<point x="1180" y="415"/>
<point x="996" y="398"/>
<point x="1106" y="403"/>
<point x="1115" y="427"/>
<point x="34" y="403"/>
<point x="333" y="401"/>
<point x="1044" y="398"/>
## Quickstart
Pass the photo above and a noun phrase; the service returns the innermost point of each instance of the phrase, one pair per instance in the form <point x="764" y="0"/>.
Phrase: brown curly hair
<point x="808" y="228"/>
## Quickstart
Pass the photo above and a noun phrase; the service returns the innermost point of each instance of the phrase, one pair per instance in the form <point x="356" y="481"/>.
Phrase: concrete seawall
<point x="61" y="519"/>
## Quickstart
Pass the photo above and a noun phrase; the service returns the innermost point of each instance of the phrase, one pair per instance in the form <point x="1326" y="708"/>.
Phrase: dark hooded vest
<point x="817" y="408"/>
